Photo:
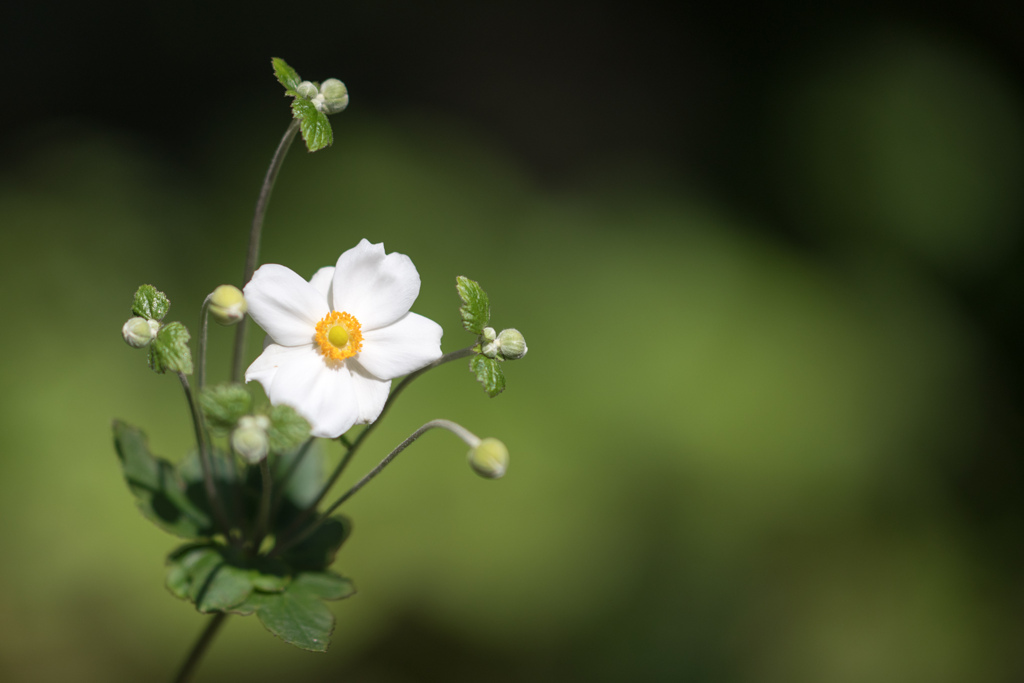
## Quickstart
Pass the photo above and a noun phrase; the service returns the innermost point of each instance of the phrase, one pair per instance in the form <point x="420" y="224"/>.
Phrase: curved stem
<point x="255" y="234"/>
<point x="204" y="459"/>
<point x="471" y="440"/>
<point x="205" y="638"/>
<point x="204" y="324"/>
<point x="448" y="357"/>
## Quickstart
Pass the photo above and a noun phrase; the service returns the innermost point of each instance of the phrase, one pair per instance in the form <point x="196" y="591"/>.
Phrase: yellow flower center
<point x="339" y="336"/>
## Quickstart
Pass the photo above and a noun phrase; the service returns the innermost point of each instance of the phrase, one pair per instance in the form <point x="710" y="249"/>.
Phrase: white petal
<point x="322" y="281"/>
<point x="371" y="393"/>
<point x="376" y="289"/>
<point x="401" y="348"/>
<point x="265" y="367"/>
<point x="322" y="394"/>
<point x="284" y="305"/>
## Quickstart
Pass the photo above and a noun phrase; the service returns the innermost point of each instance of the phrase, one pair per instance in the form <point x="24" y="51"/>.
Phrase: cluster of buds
<point x="509" y="344"/>
<point x="330" y="98"/>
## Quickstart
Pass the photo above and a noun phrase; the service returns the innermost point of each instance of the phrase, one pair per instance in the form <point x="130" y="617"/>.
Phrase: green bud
<point x="227" y="305"/>
<point x="489" y="334"/>
<point x="250" y="438"/>
<point x="512" y="344"/>
<point x="490" y="349"/>
<point x="335" y="96"/>
<point x="489" y="459"/>
<point x="139" y="332"/>
<point x="306" y="90"/>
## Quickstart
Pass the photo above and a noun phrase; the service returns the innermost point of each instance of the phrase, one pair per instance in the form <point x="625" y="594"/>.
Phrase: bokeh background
<point x="767" y="260"/>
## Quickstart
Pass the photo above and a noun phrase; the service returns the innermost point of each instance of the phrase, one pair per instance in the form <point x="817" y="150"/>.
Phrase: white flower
<point x="335" y="343"/>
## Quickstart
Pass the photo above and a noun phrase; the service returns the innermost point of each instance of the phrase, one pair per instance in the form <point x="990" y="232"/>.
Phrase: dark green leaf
<point x="476" y="307"/>
<point x="488" y="373"/>
<point x="170" y="351"/>
<point x="317" y="552"/>
<point x="286" y="76"/>
<point x="149" y="302"/>
<point x="224" y="404"/>
<point x="316" y="129"/>
<point x="159" y="491"/>
<point x="222" y="588"/>
<point x="288" y="430"/>
<point x="324" y="585"/>
<point x="298" y="615"/>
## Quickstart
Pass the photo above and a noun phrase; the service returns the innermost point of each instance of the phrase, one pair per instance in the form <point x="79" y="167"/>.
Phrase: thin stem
<point x="204" y="459"/>
<point x="254" y="237"/>
<point x="205" y="638"/>
<point x="471" y="439"/>
<point x="204" y="323"/>
<point x="263" y="521"/>
<point x="448" y="357"/>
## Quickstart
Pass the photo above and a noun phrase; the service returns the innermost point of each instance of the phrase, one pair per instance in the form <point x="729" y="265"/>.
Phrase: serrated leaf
<point x="160" y="493"/>
<point x="170" y="351"/>
<point x="476" y="307"/>
<point x="316" y="129"/>
<point x="224" y="404"/>
<point x="286" y="76"/>
<point x="149" y="302"/>
<point x="488" y="373"/>
<point x="288" y="430"/>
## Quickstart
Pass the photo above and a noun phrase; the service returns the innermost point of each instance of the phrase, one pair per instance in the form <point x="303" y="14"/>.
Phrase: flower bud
<point x="512" y="344"/>
<point x="306" y="90"/>
<point x="335" y="96"/>
<point x="227" y="305"/>
<point x="489" y="335"/>
<point x="139" y="332"/>
<point x="250" y="438"/>
<point x="490" y="349"/>
<point x="489" y="459"/>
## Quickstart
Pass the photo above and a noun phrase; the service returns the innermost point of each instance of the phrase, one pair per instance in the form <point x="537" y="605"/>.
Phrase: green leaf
<point x="488" y="373"/>
<point x="286" y="76"/>
<point x="170" y="351"/>
<point x="298" y="615"/>
<point x="160" y="492"/>
<point x="288" y="430"/>
<point x="476" y="307"/>
<point x="151" y="303"/>
<point x="224" y="404"/>
<point x="316" y="129"/>
<point x="317" y="552"/>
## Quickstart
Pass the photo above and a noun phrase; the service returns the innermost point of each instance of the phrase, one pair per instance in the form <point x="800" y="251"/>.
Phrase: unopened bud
<point x="490" y="349"/>
<point x="489" y="459"/>
<point x="489" y="334"/>
<point x="306" y="90"/>
<point x="227" y="305"/>
<point x="250" y="438"/>
<point x="512" y="344"/>
<point x="139" y="332"/>
<point x="335" y="96"/>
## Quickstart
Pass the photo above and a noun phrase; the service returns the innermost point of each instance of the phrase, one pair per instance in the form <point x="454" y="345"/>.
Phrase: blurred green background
<point x="767" y="263"/>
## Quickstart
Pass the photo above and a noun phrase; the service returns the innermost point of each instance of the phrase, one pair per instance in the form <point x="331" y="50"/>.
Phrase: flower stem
<point x="204" y="324"/>
<point x="447" y="358"/>
<point x="471" y="440"/>
<point x="204" y="459"/>
<point x="263" y="521"/>
<point x="254" y="237"/>
<point x="205" y="638"/>
<point x="454" y="355"/>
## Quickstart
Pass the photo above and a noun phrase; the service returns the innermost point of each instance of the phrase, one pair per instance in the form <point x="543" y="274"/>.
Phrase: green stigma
<point x="338" y="336"/>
